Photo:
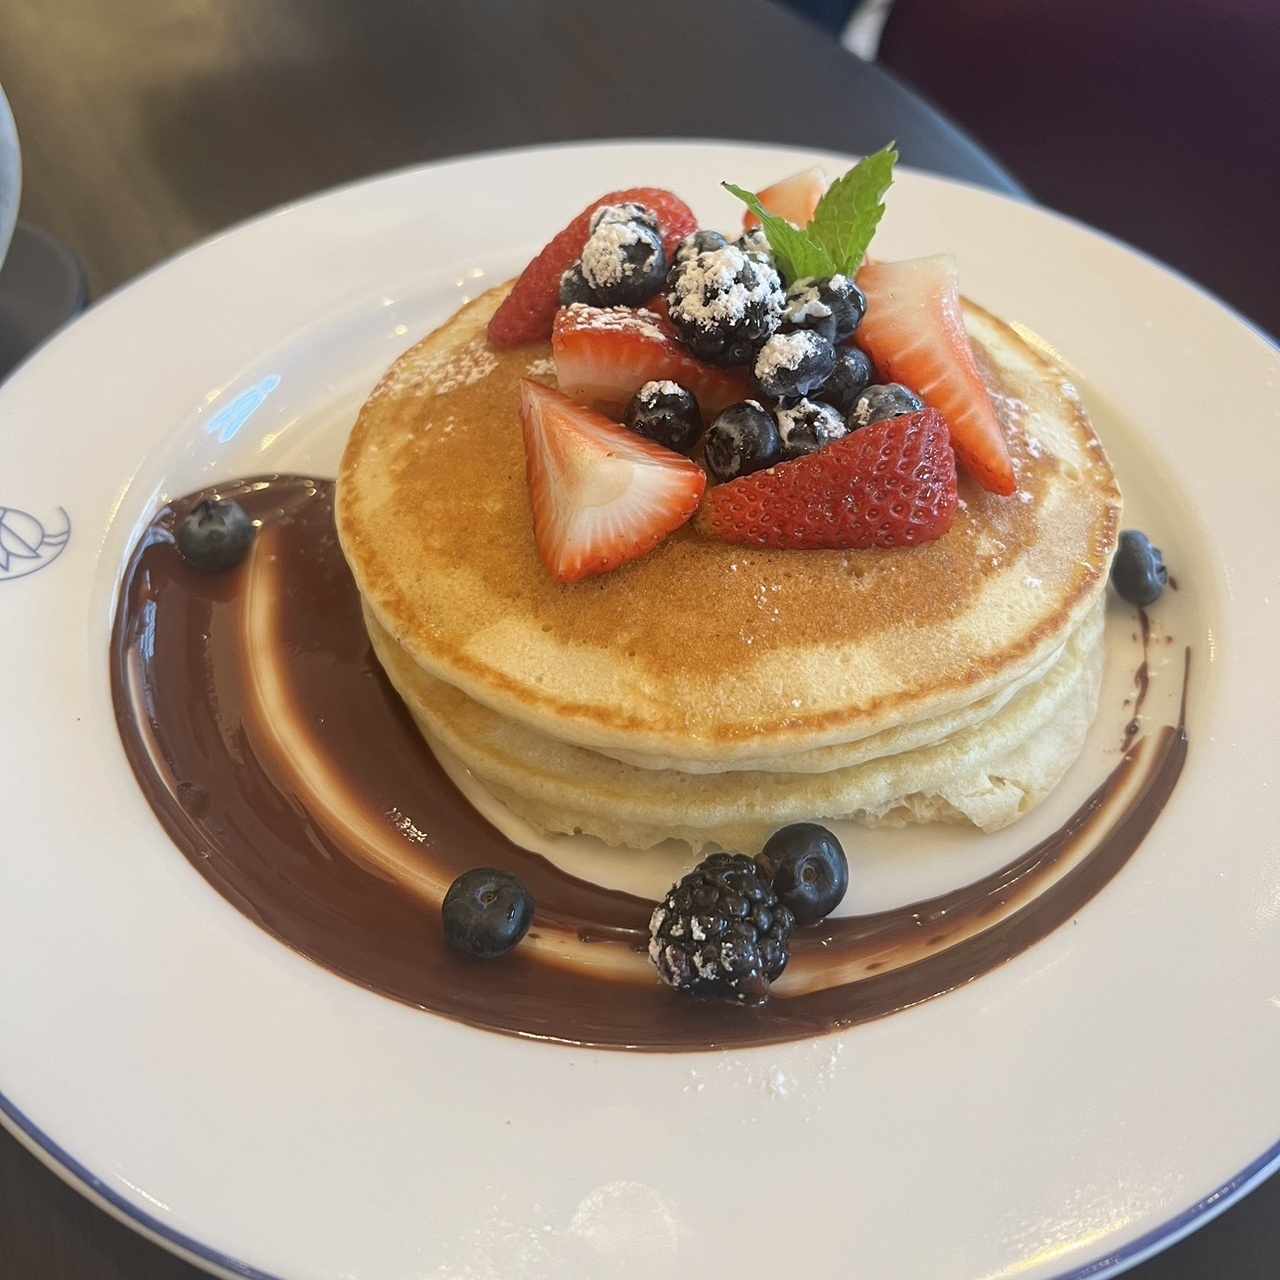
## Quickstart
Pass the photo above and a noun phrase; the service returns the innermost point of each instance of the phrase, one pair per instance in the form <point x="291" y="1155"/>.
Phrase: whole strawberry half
<point x="604" y="355"/>
<point x="601" y="495"/>
<point x="892" y="484"/>
<point x="527" y="311"/>
<point x="914" y="331"/>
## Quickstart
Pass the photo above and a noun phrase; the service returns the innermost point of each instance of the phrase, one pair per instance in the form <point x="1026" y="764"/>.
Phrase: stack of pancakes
<point x="710" y="693"/>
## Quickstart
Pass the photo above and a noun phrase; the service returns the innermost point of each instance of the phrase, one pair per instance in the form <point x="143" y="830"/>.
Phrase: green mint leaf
<point x="848" y="214"/>
<point x="797" y="253"/>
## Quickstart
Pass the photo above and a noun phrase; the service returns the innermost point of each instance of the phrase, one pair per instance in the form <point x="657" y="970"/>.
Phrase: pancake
<point x="988" y="774"/>
<point x="704" y="656"/>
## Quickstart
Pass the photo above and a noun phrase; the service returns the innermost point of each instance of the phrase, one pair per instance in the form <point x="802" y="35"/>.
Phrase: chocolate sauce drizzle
<point x="343" y="857"/>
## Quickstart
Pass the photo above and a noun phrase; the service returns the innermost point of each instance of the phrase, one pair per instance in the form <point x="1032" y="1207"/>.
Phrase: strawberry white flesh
<point x="604" y="355"/>
<point x="600" y="494"/>
<point x="914" y="332"/>
<point x="794" y="198"/>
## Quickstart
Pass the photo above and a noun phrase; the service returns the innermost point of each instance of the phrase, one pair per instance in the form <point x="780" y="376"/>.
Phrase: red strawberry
<point x="892" y="484"/>
<point x="601" y="495"/>
<point x="604" y="355"/>
<point x="915" y="334"/>
<point x="794" y="198"/>
<point x="527" y="311"/>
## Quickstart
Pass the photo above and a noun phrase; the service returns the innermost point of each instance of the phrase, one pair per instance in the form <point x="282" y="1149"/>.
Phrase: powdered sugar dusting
<point x="651" y="392"/>
<point x="439" y="372"/>
<point x="615" y="319"/>
<point x="541" y="367"/>
<point x="784" y="351"/>
<point x="710" y="289"/>
<point x="604" y="256"/>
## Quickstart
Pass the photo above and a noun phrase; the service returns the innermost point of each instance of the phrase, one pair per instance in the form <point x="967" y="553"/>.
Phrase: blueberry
<point x="808" y="870"/>
<point x="574" y="287"/>
<point x="808" y="426"/>
<point x="833" y="307"/>
<point x="883" y="400"/>
<point x="215" y="534"/>
<point x="794" y="364"/>
<point x="724" y="304"/>
<point x="1138" y="572"/>
<point x="699" y="242"/>
<point x="623" y="262"/>
<point x="743" y="439"/>
<point x="666" y="412"/>
<point x="848" y="380"/>
<point x="486" y="913"/>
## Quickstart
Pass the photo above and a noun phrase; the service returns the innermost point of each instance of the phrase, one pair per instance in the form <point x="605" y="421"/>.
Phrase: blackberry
<point x="721" y="932"/>
<point x="698" y="242"/>
<point x="623" y="261"/>
<point x="755" y="243"/>
<point x="808" y="426"/>
<point x="884" y="400"/>
<point x="794" y="364"/>
<point x="724" y="304"/>
<point x="833" y="307"/>
<point x="214" y="535"/>
<point x="664" y="411"/>
<point x="743" y="439"/>
<point x="849" y="379"/>
<point x="1138" y="572"/>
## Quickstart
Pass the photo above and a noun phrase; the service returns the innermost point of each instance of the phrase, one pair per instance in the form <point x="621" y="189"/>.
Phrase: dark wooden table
<point x="148" y="124"/>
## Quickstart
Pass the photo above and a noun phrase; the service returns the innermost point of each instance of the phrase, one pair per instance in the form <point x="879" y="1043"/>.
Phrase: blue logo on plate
<point x="226" y="423"/>
<point x="26" y="546"/>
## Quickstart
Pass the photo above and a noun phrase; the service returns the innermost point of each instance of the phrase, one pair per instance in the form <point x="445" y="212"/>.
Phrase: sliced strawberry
<point x="794" y="198"/>
<point x="527" y="311"/>
<point x="915" y="334"/>
<point x="601" y="494"/>
<point x="892" y="484"/>
<point x="604" y="355"/>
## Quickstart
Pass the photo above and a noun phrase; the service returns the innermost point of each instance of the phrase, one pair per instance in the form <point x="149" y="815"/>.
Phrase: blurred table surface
<point x="149" y="124"/>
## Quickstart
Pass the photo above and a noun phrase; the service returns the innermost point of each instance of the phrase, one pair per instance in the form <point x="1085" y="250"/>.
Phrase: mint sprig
<point x="836" y="239"/>
<point x="798" y="254"/>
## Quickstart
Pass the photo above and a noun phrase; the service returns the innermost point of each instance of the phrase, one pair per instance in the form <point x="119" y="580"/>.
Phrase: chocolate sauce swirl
<point x="285" y="769"/>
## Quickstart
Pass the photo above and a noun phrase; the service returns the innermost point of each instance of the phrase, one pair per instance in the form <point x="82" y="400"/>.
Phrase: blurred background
<point x="143" y="126"/>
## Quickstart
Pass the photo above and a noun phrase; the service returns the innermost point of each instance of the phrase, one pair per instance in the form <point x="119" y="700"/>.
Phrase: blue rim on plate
<point x="1145" y="1246"/>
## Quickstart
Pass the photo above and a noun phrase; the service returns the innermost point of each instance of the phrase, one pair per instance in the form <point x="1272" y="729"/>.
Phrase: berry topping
<point x="721" y="932"/>
<point x="1138" y="572"/>
<point x="833" y="307"/>
<point x="755" y="244"/>
<point x="699" y="242"/>
<point x="794" y="364"/>
<point x="215" y="535"/>
<point x="807" y="868"/>
<point x="600" y="495"/>
<point x="890" y="485"/>
<point x="526" y="313"/>
<point x="623" y="261"/>
<point x="664" y="411"/>
<point x="743" y="439"/>
<point x="486" y="913"/>
<point x="604" y="356"/>
<point x="574" y="287"/>
<point x="724" y="303"/>
<point x="848" y="380"/>
<point x="628" y="211"/>
<point x="914" y="331"/>
<point x="807" y="426"/>
<point x="794" y="198"/>
<point x="881" y="401"/>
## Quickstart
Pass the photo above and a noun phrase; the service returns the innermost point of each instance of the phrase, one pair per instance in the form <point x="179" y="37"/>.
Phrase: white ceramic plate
<point x="1065" y="1115"/>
